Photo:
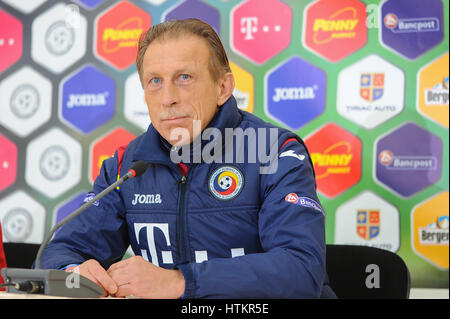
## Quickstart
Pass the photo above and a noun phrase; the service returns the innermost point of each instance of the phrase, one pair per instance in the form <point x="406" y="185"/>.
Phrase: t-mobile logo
<point x="249" y="26"/>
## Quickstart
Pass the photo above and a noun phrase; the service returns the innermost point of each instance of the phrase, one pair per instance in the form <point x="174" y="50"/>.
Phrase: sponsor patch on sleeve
<point x="90" y="196"/>
<point x="303" y="201"/>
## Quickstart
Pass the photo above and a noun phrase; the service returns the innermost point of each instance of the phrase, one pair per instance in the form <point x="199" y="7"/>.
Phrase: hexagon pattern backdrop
<point x="363" y="82"/>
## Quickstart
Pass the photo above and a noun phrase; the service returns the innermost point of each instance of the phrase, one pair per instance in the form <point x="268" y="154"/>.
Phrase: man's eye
<point x="185" y="77"/>
<point x="155" y="81"/>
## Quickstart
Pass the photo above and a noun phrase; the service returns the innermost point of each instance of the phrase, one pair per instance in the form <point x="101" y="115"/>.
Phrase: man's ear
<point x="226" y="88"/>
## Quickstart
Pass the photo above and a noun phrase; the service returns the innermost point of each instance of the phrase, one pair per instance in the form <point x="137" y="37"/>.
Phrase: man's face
<point x="178" y="86"/>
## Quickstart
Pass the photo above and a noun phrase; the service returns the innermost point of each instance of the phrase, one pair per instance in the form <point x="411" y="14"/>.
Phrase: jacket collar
<point x="153" y="148"/>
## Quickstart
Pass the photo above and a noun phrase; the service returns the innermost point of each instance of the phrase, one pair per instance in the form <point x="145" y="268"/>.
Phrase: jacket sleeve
<point x="292" y="233"/>
<point x="98" y="233"/>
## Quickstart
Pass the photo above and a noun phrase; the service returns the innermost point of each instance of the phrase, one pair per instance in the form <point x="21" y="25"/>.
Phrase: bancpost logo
<point x="87" y="99"/>
<point x="429" y="230"/>
<point x="10" y="40"/>
<point x="335" y="29"/>
<point x="368" y="220"/>
<point x="260" y="29"/>
<point x="295" y="100"/>
<point x="411" y="27"/>
<point x="106" y="146"/>
<point x="371" y="91"/>
<point x="336" y="156"/>
<point x="117" y="33"/>
<point x="245" y="88"/>
<point x="404" y="167"/>
<point x="433" y="91"/>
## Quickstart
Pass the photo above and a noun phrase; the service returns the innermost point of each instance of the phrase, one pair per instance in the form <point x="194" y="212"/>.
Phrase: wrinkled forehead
<point x="180" y="50"/>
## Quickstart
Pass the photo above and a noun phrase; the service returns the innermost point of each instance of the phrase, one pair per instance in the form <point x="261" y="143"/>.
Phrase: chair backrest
<point x="361" y="272"/>
<point x="20" y="255"/>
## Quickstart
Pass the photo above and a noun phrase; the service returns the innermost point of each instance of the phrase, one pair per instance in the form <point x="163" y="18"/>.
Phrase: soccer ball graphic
<point x="225" y="182"/>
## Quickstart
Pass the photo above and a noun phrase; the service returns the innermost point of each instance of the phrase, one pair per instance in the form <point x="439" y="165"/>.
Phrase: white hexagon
<point x="26" y="99"/>
<point x="53" y="163"/>
<point x="22" y="219"/>
<point x="135" y="108"/>
<point x="371" y="92"/>
<point x="368" y="220"/>
<point x="58" y="38"/>
<point x="25" y="6"/>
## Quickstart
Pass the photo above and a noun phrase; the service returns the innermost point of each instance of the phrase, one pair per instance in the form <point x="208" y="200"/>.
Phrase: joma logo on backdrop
<point x="76" y="100"/>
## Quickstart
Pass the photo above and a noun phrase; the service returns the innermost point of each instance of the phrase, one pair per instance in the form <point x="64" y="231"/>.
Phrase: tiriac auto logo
<point x="336" y="156"/>
<point x="118" y="32"/>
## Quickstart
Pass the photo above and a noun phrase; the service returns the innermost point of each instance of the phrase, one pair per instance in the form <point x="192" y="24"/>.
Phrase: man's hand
<point x="140" y="278"/>
<point x="92" y="270"/>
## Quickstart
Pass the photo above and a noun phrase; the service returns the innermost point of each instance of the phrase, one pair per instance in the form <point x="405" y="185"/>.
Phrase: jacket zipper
<point x="181" y="221"/>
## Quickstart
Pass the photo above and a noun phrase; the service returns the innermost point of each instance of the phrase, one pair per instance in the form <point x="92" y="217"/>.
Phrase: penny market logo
<point x="437" y="95"/>
<point x="395" y="162"/>
<point x="336" y="26"/>
<point x="435" y="233"/>
<point x="126" y="34"/>
<point x="335" y="159"/>
<point x="396" y="25"/>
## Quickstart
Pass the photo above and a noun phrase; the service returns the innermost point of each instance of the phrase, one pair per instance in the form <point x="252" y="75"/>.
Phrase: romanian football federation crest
<point x="368" y="224"/>
<point x="226" y="182"/>
<point x="372" y="86"/>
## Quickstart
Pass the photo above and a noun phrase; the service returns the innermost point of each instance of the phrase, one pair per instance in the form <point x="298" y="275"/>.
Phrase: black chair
<point x="361" y="272"/>
<point x="20" y="255"/>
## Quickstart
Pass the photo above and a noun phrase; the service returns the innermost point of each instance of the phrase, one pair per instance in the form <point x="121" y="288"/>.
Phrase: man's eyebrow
<point x="181" y="70"/>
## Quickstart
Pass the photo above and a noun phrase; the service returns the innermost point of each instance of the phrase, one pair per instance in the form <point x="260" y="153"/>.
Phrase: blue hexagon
<point x="87" y="99"/>
<point x="90" y="4"/>
<point x="195" y="9"/>
<point x="412" y="27"/>
<point x="295" y="93"/>
<point x="68" y="207"/>
<point x="408" y="159"/>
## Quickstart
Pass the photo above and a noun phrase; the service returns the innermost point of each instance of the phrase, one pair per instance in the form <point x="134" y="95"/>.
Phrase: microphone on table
<point x="55" y="282"/>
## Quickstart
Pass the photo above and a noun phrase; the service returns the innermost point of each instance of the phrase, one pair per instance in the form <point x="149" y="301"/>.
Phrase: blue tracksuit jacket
<point x="232" y="231"/>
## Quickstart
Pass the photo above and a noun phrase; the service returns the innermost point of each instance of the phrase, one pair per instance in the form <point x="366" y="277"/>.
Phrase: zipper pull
<point x="181" y="181"/>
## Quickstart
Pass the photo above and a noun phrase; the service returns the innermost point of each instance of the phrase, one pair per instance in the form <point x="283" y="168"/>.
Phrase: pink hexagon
<point x="10" y="40"/>
<point x="261" y="29"/>
<point x="8" y="162"/>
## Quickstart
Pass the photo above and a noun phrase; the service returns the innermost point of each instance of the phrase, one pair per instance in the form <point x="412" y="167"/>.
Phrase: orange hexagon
<point x="336" y="156"/>
<point x="335" y="29"/>
<point x="432" y="98"/>
<point x="105" y="148"/>
<point x="429" y="230"/>
<point x="117" y="33"/>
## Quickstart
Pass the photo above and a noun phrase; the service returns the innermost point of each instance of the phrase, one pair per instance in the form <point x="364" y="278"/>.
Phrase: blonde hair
<point x="218" y="61"/>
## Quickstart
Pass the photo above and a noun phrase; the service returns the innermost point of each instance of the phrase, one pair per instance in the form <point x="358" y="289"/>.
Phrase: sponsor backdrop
<point x="363" y="82"/>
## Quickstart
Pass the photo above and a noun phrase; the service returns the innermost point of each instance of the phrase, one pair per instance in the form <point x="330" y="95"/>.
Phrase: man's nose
<point x="170" y="94"/>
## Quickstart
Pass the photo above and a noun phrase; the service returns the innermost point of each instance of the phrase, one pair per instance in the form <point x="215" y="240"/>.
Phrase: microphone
<point x="54" y="282"/>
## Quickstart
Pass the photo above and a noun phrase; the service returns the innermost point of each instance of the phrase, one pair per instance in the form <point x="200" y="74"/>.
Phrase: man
<point x="2" y="256"/>
<point x="199" y="228"/>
